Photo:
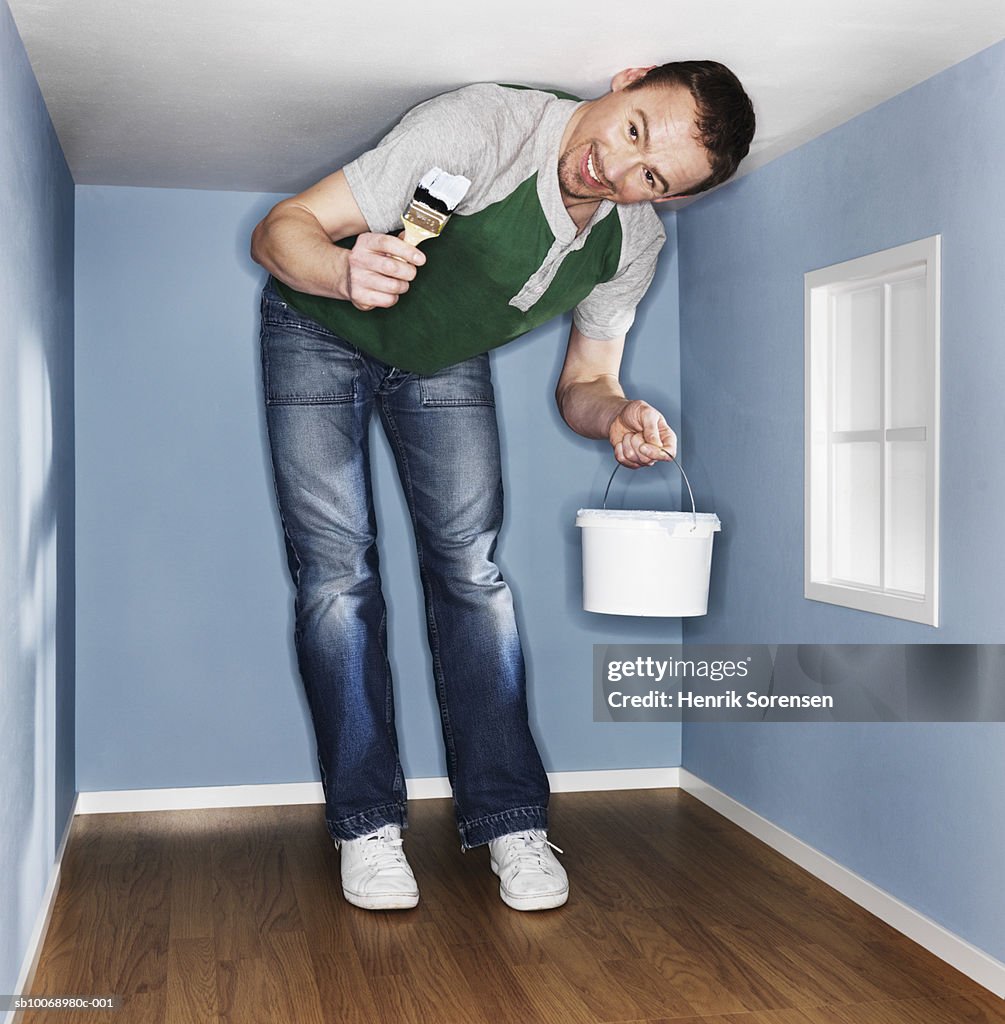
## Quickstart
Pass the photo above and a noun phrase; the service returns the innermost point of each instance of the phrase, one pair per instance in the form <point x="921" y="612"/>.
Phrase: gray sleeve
<point x="447" y="131"/>
<point x="609" y="310"/>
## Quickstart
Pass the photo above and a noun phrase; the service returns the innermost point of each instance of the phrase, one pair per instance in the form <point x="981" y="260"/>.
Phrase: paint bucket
<point x="646" y="563"/>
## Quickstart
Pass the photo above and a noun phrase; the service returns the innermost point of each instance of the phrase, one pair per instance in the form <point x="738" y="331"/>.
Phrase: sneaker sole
<point x="546" y="902"/>
<point x="382" y="901"/>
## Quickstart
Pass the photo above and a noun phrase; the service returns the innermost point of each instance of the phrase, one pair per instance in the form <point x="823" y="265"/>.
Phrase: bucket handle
<point x="676" y="462"/>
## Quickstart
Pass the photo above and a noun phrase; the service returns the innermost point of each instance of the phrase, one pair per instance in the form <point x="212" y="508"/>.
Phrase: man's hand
<point x="591" y="401"/>
<point x="295" y="243"/>
<point x="379" y="269"/>
<point x="638" y="435"/>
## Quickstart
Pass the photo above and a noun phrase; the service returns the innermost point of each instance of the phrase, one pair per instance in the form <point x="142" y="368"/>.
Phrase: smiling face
<point x="630" y="146"/>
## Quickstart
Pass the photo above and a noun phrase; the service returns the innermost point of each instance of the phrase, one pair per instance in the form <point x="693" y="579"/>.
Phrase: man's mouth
<point x="589" y="173"/>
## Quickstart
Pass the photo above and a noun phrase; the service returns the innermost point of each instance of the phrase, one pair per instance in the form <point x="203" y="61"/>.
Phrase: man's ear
<point x="668" y="199"/>
<point x="629" y="75"/>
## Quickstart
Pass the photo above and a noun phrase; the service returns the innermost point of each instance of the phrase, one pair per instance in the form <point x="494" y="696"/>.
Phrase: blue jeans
<point x="320" y="392"/>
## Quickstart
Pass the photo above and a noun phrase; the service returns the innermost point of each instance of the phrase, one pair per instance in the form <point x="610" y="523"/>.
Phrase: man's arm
<point x="296" y="243"/>
<point x="592" y="403"/>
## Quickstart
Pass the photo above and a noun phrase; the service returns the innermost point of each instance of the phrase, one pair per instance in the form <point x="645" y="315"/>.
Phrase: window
<point x="872" y="432"/>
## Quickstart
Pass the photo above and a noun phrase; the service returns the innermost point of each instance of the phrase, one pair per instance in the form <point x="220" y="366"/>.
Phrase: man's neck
<point x="580" y="212"/>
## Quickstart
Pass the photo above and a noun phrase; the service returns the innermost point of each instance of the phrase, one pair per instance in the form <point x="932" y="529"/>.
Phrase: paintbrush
<point x="435" y="199"/>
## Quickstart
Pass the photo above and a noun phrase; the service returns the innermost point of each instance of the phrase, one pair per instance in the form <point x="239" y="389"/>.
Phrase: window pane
<point x="906" y="494"/>
<point x="909" y="370"/>
<point x="858" y="349"/>
<point x="855" y="513"/>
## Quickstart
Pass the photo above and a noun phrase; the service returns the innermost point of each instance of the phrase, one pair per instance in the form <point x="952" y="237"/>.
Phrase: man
<point x="558" y="217"/>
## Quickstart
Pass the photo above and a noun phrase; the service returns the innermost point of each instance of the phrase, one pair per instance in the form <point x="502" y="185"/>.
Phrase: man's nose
<point x="618" y="165"/>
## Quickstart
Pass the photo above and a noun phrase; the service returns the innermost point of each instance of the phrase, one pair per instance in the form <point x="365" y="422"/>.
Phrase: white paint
<point x="262" y="96"/>
<point x="944" y="944"/>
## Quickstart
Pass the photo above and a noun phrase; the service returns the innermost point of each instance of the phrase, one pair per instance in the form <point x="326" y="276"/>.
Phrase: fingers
<point x="380" y="269"/>
<point x="641" y="436"/>
<point x="633" y="451"/>
<point x="659" y="443"/>
<point x="667" y="440"/>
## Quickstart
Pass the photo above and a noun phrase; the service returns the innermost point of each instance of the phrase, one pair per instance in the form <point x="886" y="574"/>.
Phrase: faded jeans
<point x="320" y="392"/>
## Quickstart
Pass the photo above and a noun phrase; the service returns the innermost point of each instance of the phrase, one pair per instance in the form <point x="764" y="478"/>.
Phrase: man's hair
<point x="725" y="120"/>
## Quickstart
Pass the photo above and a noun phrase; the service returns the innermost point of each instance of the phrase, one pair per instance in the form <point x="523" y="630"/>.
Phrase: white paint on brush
<point x="450" y="189"/>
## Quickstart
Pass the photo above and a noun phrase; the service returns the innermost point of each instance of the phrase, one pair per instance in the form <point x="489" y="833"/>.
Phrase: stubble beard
<point x="569" y="182"/>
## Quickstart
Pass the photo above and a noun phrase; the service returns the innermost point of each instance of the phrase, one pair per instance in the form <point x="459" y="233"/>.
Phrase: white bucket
<point x="646" y="563"/>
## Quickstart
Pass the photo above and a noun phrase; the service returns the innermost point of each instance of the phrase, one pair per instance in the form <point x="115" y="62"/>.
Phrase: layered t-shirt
<point x="510" y="258"/>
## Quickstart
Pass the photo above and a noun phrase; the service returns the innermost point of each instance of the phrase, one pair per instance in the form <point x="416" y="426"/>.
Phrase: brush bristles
<point x="436" y="196"/>
<point x="442" y="188"/>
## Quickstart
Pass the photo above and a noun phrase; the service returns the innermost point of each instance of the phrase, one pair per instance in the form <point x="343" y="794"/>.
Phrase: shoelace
<point x="528" y="849"/>
<point x="381" y="852"/>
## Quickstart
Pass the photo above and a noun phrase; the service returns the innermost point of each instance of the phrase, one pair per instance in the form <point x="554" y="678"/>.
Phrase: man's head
<point x="725" y="115"/>
<point x="660" y="133"/>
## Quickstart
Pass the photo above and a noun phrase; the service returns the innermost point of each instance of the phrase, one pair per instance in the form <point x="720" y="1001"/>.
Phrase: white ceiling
<point x="269" y="95"/>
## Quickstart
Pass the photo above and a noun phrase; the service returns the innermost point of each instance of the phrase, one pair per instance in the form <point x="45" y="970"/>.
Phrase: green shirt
<point x="510" y="258"/>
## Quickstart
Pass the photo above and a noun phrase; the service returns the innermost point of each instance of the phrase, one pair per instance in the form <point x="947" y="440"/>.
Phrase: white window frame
<point x="921" y="258"/>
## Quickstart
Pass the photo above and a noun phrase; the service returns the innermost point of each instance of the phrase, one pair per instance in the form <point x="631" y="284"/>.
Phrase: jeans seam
<point x="510" y="812"/>
<point x="434" y="634"/>
<point x="398" y="781"/>
<point x="312" y="399"/>
<point x="441" y="403"/>
<point x="285" y="319"/>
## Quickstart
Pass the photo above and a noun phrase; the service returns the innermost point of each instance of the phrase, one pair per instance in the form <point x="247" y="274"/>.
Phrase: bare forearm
<point x="592" y="403"/>
<point x="292" y="245"/>
<point x="296" y="243"/>
<point x="590" y="407"/>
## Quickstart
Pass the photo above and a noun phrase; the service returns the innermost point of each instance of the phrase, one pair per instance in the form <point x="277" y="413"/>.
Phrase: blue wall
<point x="912" y="808"/>
<point x="928" y="161"/>
<point x="36" y="500"/>
<point x="185" y="669"/>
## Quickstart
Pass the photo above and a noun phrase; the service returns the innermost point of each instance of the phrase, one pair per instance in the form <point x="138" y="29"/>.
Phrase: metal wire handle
<point x="676" y="462"/>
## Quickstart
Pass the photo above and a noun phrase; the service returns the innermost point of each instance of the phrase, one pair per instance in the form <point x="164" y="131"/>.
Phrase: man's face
<point x="630" y="146"/>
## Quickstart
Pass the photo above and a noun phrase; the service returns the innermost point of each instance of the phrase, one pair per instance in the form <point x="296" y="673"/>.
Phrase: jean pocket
<point x="467" y="383"/>
<point x="304" y="364"/>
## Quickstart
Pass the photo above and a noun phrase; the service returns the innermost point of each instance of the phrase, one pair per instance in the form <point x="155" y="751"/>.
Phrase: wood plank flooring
<point x="237" y="917"/>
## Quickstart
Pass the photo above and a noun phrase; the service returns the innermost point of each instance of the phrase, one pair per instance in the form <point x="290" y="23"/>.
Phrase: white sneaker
<point x="375" y="874"/>
<point x="530" y="876"/>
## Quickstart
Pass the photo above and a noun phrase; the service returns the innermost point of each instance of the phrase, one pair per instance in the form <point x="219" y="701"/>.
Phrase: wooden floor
<point x="675" y="915"/>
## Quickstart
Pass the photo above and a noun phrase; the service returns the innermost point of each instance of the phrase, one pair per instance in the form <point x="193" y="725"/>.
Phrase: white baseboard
<point x="946" y="945"/>
<point x="188" y="798"/>
<point x="29" y="966"/>
<point x="114" y="801"/>
<point x="622" y="778"/>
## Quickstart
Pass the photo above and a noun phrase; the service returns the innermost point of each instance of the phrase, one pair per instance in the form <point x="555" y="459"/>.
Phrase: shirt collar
<point x="553" y="123"/>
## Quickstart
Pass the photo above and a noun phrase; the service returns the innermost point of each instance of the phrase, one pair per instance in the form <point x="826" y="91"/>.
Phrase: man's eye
<point x="650" y="180"/>
<point x="633" y="131"/>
